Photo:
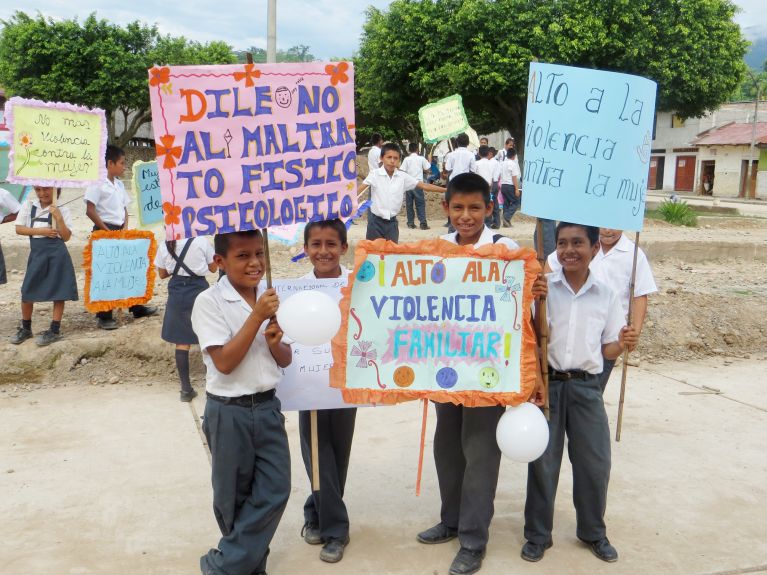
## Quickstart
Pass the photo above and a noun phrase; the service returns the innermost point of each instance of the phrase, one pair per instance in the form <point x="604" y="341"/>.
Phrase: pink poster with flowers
<point x="249" y="146"/>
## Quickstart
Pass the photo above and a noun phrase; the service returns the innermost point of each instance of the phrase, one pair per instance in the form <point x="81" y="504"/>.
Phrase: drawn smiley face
<point x="404" y="376"/>
<point x="283" y="97"/>
<point x="366" y="272"/>
<point x="447" y="377"/>
<point x="438" y="273"/>
<point x="489" y="377"/>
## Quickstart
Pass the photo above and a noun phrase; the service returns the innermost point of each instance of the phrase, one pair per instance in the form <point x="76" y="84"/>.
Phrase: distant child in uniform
<point x="466" y="453"/>
<point x="586" y="323"/>
<point x="326" y="519"/>
<point x="490" y="169"/>
<point x="510" y="187"/>
<point x="107" y="206"/>
<point x="186" y="262"/>
<point x="387" y="189"/>
<point x="415" y="165"/>
<point x="243" y="352"/>
<point x="50" y="275"/>
<point x="9" y="207"/>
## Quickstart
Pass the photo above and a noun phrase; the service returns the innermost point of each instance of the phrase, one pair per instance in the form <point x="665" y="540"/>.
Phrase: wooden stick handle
<point x="543" y="326"/>
<point x="268" y="270"/>
<point x="315" y="451"/>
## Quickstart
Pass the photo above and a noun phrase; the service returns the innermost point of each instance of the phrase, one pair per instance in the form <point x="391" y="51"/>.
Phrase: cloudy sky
<point x="330" y="27"/>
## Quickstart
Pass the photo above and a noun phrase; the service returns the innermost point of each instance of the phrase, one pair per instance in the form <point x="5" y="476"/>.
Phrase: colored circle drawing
<point x="438" y="273"/>
<point x="366" y="272"/>
<point x="489" y="377"/>
<point x="447" y="377"/>
<point x="404" y="376"/>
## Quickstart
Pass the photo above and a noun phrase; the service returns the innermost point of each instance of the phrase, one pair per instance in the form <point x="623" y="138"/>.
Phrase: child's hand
<point x="273" y="333"/>
<point x="55" y="212"/>
<point x="629" y="337"/>
<point x="267" y="305"/>
<point x="540" y="287"/>
<point x="518" y="192"/>
<point x="47" y="232"/>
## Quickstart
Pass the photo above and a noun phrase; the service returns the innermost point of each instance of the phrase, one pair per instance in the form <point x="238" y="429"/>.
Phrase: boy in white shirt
<point x="415" y="165"/>
<point x="585" y="323"/>
<point x="460" y="160"/>
<point x="490" y="170"/>
<point x="9" y="207"/>
<point x="387" y="190"/>
<point x="510" y="188"/>
<point x="243" y="352"/>
<point x="374" y="154"/>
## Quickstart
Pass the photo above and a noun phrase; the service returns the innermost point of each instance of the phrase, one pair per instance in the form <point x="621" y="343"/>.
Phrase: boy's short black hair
<point x="390" y="147"/>
<point x="221" y="241"/>
<point x="511" y="153"/>
<point x="509" y="141"/>
<point x="468" y="183"/>
<point x="462" y="140"/>
<point x="412" y="147"/>
<point x="591" y="232"/>
<point x="376" y="139"/>
<point x="493" y="150"/>
<point x="483" y="151"/>
<point x="113" y="153"/>
<point x="335" y="224"/>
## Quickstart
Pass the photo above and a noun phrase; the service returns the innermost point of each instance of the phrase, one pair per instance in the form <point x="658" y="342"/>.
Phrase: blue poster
<point x="119" y="269"/>
<point x="146" y="188"/>
<point x="588" y="135"/>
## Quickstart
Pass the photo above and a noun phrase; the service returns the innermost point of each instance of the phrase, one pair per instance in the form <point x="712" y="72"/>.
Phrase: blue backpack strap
<point x="497" y="237"/>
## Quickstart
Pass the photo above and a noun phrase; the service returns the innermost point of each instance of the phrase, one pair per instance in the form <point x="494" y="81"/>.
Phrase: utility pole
<point x="750" y="191"/>
<point x="271" y="32"/>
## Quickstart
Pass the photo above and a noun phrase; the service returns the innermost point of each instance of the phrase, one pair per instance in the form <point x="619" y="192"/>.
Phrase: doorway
<point x="707" y="169"/>
<point x="685" y="173"/>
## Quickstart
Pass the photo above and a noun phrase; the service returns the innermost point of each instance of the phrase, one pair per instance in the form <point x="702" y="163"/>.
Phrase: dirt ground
<point x="703" y="308"/>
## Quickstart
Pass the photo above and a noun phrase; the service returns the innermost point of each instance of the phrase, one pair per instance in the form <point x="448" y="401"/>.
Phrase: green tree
<point x="95" y="64"/>
<point x="418" y="51"/>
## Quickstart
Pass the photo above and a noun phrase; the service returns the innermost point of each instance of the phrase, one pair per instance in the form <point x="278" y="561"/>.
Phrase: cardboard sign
<point x="588" y="136"/>
<point x="55" y="144"/>
<point x="439" y="321"/>
<point x="253" y="145"/>
<point x="146" y="190"/>
<point x="443" y="119"/>
<point x="119" y="270"/>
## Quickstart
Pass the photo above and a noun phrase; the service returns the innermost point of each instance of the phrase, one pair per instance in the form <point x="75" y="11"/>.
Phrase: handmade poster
<point x="588" y="135"/>
<point x="146" y="190"/>
<point x="253" y="145"/>
<point x="55" y="144"/>
<point x="439" y="321"/>
<point x="119" y="270"/>
<point x="442" y="119"/>
<point x="305" y="383"/>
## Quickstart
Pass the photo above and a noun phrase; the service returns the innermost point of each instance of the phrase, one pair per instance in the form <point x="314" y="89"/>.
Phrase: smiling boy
<point x="243" y="352"/>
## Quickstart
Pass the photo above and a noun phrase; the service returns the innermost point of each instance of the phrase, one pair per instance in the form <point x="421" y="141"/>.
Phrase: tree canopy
<point x="418" y="51"/>
<point x="94" y="63"/>
<point x="299" y="53"/>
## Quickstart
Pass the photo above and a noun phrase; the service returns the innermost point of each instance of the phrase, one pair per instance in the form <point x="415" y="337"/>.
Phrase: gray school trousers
<point x="467" y="458"/>
<point x="576" y="409"/>
<point x="380" y="228"/>
<point x="251" y="482"/>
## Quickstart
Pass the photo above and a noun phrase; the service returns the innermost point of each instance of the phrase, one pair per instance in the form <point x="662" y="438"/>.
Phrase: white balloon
<point x="309" y="317"/>
<point x="523" y="433"/>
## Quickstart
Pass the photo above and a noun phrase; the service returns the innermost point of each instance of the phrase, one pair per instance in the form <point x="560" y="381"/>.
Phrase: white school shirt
<point x="312" y="276"/>
<point x="579" y="324"/>
<point x="614" y="269"/>
<point x="489" y="169"/>
<point x="374" y="158"/>
<point x="510" y="168"/>
<point x="218" y="314"/>
<point x="197" y="258"/>
<point x="485" y="238"/>
<point x="8" y="204"/>
<point x="460" y="161"/>
<point x="24" y="217"/>
<point x="415" y="165"/>
<point x="110" y="199"/>
<point x="387" y="192"/>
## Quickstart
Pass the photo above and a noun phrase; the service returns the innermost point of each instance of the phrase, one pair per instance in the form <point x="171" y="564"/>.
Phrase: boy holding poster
<point x="243" y="352"/>
<point x="466" y="453"/>
<point x="586" y="323"/>
<point x="326" y="519"/>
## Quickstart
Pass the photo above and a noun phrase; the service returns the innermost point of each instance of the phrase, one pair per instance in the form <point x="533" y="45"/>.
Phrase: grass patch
<point x="676" y="213"/>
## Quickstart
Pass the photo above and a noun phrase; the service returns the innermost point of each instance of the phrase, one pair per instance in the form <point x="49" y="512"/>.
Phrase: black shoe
<point x="534" y="551"/>
<point x="440" y="533"/>
<point x="506" y="223"/>
<point x="602" y="549"/>
<point x="144" y="310"/>
<point x="495" y="227"/>
<point x="333" y="550"/>
<point x="47" y="338"/>
<point x="425" y="226"/>
<point x="311" y="534"/>
<point x="411" y="226"/>
<point x="22" y="335"/>
<point x="467" y="561"/>
<point x="187" y="396"/>
<point x="107" y="323"/>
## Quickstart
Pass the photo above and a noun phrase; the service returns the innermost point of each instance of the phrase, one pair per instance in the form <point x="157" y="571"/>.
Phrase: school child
<point x="490" y="170"/>
<point x="185" y="262"/>
<point x="50" y="275"/>
<point x="374" y="154"/>
<point x="466" y="453"/>
<point x="107" y="206"/>
<point x="245" y="429"/>
<point x="387" y="188"/>
<point x="415" y="165"/>
<point x="510" y="188"/>
<point x="586" y="323"/>
<point x="9" y="207"/>
<point x="612" y="265"/>
<point x="326" y="519"/>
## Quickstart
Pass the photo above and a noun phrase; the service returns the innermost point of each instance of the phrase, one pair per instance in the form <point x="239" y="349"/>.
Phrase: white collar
<point x="344" y="273"/>
<point x="486" y="237"/>
<point x="559" y="277"/>
<point x="232" y="295"/>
